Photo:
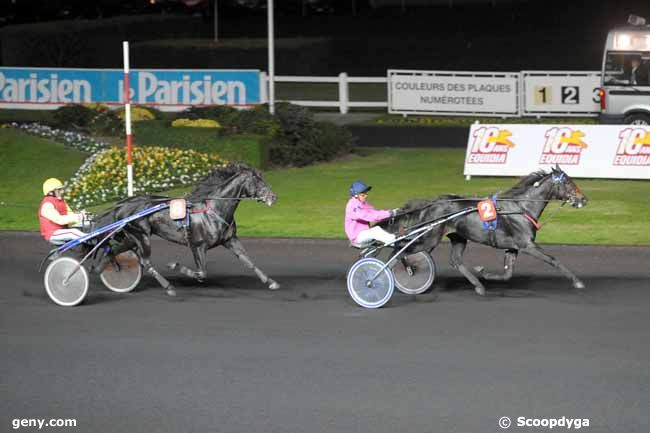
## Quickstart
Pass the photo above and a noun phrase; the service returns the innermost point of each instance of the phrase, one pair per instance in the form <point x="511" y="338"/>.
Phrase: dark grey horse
<point x="519" y="209"/>
<point x="210" y="221"/>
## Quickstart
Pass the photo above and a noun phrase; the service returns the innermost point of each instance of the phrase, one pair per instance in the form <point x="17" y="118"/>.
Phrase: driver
<point x="55" y="215"/>
<point x="359" y="213"/>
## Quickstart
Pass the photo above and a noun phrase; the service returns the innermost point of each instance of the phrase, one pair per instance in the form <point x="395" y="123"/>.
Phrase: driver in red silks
<point x="55" y="216"/>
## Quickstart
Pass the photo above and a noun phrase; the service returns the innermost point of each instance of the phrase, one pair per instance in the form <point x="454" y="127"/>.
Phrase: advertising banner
<point x="453" y="93"/>
<point x="597" y="151"/>
<point x="166" y="89"/>
<point x="561" y="93"/>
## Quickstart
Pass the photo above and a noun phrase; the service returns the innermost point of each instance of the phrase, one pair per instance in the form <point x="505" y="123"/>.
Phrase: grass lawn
<point x="312" y="199"/>
<point x="26" y="162"/>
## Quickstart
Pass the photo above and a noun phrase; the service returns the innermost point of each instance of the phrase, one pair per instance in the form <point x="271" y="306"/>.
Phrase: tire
<point x="638" y="119"/>
<point x="66" y="293"/>
<point x="381" y="288"/>
<point x="124" y="275"/>
<point x="419" y="275"/>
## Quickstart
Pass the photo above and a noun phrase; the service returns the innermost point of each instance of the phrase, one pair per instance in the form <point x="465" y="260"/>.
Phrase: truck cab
<point x="625" y="82"/>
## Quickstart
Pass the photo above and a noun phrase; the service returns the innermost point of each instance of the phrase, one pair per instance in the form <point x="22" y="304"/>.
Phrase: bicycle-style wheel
<point x="367" y="291"/>
<point x="66" y="281"/>
<point x="123" y="273"/>
<point x="414" y="273"/>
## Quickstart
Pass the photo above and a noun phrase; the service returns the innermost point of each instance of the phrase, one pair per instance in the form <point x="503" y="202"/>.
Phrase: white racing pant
<point x="375" y="233"/>
<point x="62" y="236"/>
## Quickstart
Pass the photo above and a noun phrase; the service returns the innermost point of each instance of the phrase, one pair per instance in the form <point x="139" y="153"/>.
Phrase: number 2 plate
<point x="486" y="210"/>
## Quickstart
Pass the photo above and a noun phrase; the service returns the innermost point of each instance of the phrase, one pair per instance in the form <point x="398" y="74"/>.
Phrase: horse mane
<point x="525" y="183"/>
<point x="217" y="176"/>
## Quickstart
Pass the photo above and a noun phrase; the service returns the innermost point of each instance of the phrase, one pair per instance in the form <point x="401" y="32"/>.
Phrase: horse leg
<point x="143" y="245"/>
<point x="537" y="252"/>
<point x="508" y="267"/>
<point x="199" y="259"/>
<point x="236" y="247"/>
<point x="458" y="245"/>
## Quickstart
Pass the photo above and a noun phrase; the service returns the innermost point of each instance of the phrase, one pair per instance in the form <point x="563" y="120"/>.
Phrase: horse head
<point x="565" y="189"/>
<point x="254" y="186"/>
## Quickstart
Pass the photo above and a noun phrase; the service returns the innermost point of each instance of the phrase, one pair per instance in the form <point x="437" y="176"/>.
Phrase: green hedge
<point x="247" y="148"/>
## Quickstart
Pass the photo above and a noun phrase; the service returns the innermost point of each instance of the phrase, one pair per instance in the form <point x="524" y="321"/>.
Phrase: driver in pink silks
<point x="359" y="213"/>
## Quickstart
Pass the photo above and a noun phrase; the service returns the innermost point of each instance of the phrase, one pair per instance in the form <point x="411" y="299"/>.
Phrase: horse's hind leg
<point x="536" y="251"/>
<point x="199" y="259"/>
<point x="508" y="267"/>
<point x="143" y="245"/>
<point x="458" y="245"/>
<point x="235" y="245"/>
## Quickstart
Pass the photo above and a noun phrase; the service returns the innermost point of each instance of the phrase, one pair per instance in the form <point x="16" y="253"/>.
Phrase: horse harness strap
<point x="532" y="219"/>
<point x="209" y="210"/>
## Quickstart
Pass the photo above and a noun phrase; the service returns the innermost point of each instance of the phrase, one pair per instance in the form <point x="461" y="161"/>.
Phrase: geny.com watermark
<point x="549" y="423"/>
<point x="17" y="423"/>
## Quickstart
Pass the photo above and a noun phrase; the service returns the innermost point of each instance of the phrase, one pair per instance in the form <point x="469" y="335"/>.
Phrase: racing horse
<point x="514" y="229"/>
<point x="209" y="222"/>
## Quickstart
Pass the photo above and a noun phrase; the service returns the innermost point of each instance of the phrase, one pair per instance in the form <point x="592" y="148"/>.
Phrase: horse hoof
<point x="480" y="290"/>
<point x="274" y="286"/>
<point x="171" y="291"/>
<point x="578" y="285"/>
<point x="172" y="266"/>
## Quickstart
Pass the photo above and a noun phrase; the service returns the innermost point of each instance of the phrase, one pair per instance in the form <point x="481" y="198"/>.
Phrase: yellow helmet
<point x="50" y="185"/>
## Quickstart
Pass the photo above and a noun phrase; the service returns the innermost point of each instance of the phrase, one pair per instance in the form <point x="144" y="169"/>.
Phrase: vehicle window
<point x="627" y="69"/>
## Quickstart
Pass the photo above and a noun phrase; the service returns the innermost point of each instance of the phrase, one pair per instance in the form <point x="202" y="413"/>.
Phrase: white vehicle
<point x="625" y="86"/>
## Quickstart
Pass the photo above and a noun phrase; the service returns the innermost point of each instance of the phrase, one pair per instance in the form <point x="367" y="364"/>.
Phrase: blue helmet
<point x="358" y="187"/>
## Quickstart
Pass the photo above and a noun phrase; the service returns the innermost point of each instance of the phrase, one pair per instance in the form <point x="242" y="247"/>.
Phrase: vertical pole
<point x="127" y="120"/>
<point x="344" y="96"/>
<point x="269" y="9"/>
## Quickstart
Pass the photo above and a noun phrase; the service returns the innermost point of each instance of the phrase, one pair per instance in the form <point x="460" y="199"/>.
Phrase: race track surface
<point x="232" y="356"/>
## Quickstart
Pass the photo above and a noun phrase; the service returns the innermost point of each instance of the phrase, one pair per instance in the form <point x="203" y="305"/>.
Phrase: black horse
<point x="515" y="229"/>
<point x="209" y="223"/>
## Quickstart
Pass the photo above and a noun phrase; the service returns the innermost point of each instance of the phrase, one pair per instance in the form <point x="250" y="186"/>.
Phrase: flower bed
<point x="103" y="176"/>
<point x="196" y="123"/>
<point x="71" y="139"/>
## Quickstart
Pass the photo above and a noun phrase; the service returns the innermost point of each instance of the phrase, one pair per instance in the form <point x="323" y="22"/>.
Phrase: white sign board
<point x="558" y="93"/>
<point x="603" y="151"/>
<point x="453" y="93"/>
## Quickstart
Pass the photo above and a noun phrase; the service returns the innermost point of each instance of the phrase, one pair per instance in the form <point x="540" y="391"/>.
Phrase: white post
<point x="127" y="120"/>
<point x="264" y="89"/>
<point x="344" y="97"/>
<point x="269" y="8"/>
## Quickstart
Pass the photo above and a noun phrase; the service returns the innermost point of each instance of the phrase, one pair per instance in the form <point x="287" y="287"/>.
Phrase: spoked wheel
<point x="123" y="273"/>
<point x="366" y="291"/>
<point x="66" y="281"/>
<point x="414" y="273"/>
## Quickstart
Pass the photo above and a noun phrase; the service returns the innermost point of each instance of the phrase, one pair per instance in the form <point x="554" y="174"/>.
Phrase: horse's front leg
<point x="235" y="245"/>
<point x="508" y="267"/>
<point x="199" y="258"/>
<point x="536" y="251"/>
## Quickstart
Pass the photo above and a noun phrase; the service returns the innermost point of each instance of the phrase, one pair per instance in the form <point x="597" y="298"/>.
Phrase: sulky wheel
<point x="414" y="273"/>
<point x="123" y="273"/>
<point x="66" y="281"/>
<point x="363" y="289"/>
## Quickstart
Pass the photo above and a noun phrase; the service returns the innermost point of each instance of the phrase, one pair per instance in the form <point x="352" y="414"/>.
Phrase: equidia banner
<point x="598" y="151"/>
<point x="453" y="92"/>
<point x="167" y="89"/>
